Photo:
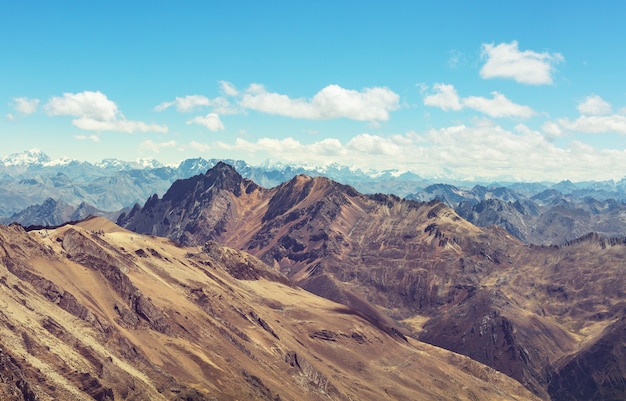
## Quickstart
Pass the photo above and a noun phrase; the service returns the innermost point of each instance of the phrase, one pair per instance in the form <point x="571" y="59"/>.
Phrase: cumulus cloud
<point x="596" y="118"/>
<point x="499" y="106"/>
<point x="551" y="129"/>
<point x="447" y="98"/>
<point x="211" y="121"/>
<point x="25" y="105"/>
<point x="594" y="105"/>
<point x="87" y="104"/>
<point x="228" y="89"/>
<point x="374" y="145"/>
<point x="505" y="60"/>
<point x="333" y="101"/>
<point x="93" y="111"/>
<point x="596" y="124"/>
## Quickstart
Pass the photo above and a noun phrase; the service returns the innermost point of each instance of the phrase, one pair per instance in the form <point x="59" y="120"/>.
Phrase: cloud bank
<point x="485" y="152"/>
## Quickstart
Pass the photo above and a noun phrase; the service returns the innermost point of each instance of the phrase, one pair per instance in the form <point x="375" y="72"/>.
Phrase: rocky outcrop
<point x="14" y="386"/>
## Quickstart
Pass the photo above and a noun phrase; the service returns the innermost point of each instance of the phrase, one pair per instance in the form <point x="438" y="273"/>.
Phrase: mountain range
<point x="551" y="317"/>
<point x="221" y="288"/>
<point x="536" y="213"/>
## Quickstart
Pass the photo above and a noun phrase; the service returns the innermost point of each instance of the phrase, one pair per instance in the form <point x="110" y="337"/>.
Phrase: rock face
<point x="606" y="358"/>
<point x="411" y="268"/>
<point x="92" y="311"/>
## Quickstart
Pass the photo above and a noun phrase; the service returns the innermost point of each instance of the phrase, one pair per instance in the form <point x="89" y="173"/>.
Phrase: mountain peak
<point x="27" y="158"/>
<point x="222" y="167"/>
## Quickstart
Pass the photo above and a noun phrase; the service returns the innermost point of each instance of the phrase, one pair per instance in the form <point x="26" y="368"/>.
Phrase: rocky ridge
<point x="417" y="268"/>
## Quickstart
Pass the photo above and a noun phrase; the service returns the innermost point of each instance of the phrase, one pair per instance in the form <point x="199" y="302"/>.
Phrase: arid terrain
<point x="540" y="314"/>
<point x="93" y="311"/>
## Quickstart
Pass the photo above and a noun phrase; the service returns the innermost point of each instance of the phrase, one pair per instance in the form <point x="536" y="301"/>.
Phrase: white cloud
<point x="211" y="121"/>
<point x="10" y="117"/>
<point x="87" y="104"/>
<point x="374" y="145"/>
<point x="228" y="89"/>
<point x="551" y="129"/>
<point x="484" y="152"/>
<point x="193" y="102"/>
<point x="505" y="60"/>
<point x="186" y="104"/>
<point x="370" y="104"/>
<point x="93" y="138"/>
<point x="445" y="97"/>
<point x="596" y="124"/>
<point x="90" y="124"/>
<point x="499" y="106"/>
<point x="25" y="105"/>
<point x="156" y="147"/>
<point x="594" y="105"/>
<point x="95" y="112"/>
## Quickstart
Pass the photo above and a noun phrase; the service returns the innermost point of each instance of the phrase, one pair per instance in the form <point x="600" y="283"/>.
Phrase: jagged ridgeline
<point x="420" y="270"/>
<point x="35" y="190"/>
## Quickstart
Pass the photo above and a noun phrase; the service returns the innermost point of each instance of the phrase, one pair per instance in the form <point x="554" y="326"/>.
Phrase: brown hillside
<point x="92" y="311"/>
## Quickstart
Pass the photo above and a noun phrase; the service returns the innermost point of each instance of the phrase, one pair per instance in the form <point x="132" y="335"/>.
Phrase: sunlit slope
<point x="94" y="311"/>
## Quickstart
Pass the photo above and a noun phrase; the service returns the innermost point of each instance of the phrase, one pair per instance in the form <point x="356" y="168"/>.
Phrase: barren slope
<point x="94" y="311"/>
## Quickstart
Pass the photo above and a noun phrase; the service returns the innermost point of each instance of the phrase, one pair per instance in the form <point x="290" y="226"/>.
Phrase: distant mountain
<point x="29" y="178"/>
<point x="54" y="213"/>
<point x="419" y="268"/>
<point x="33" y="157"/>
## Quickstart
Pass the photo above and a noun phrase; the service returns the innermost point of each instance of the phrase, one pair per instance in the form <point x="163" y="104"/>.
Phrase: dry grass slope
<point x="92" y="311"/>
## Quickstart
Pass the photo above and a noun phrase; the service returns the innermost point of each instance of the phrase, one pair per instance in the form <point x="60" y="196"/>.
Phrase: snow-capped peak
<point x="32" y="157"/>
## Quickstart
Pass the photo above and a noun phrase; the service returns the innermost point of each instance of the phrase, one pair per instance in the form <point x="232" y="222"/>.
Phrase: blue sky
<point x="527" y="91"/>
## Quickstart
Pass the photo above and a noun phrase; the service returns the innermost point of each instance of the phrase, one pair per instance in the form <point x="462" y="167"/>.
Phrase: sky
<point x="485" y="90"/>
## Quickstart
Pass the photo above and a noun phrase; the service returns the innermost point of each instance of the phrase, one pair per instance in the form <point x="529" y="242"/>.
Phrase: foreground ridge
<point x="90" y="310"/>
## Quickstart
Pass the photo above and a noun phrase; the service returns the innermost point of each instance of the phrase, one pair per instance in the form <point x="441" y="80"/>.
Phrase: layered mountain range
<point x="536" y="213"/>
<point x="92" y="311"/>
<point x="551" y="317"/>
